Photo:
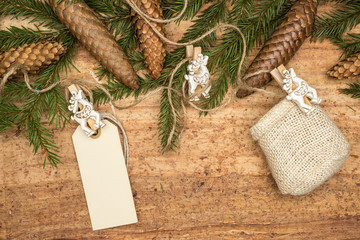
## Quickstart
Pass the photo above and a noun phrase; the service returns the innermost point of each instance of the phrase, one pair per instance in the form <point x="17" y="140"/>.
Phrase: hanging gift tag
<point x="105" y="179"/>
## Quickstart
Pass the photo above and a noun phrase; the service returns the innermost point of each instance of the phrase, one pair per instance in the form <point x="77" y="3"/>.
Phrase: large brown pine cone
<point x="32" y="57"/>
<point x="150" y="44"/>
<point x="348" y="68"/>
<point x="283" y="44"/>
<point x="96" y="38"/>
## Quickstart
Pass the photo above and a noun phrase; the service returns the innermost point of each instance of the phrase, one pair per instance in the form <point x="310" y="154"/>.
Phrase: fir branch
<point x="14" y="37"/>
<point x="109" y="9"/>
<point x="173" y="7"/>
<point x="52" y="104"/>
<point x="118" y="90"/>
<point x="257" y="22"/>
<point x="260" y="22"/>
<point x="353" y="90"/>
<point x="9" y="115"/>
<point x="350" y="44"/>
<point x="40" y="137"/>
<point x="167" y="120"/>
<point x="116" y="15"/>
<point x="219" y="88"/>
<point x="111" y="12"/>
<point x="334" y="24"/>
<point x="240" y="7"/>
<point x="14" y="92"/>
<point x="208" y="19"/>
<point x="36" y="10"/>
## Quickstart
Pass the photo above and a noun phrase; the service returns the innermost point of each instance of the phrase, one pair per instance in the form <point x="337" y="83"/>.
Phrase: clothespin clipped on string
<point x="84" y="113"/>
<point x="198" y="74"/>
<point x="192" y="52"/>
<point x="298" y="89"/>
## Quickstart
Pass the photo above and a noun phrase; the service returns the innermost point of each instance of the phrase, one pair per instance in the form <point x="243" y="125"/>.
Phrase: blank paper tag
<point x="105" y="179"/>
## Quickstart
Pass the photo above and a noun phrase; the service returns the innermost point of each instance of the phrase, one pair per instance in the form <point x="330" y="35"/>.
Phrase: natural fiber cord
<point x="302" y="151"/>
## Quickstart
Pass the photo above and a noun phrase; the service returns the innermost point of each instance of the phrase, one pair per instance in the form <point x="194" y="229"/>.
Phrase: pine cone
<point x="150" y="44"/>
<point x="348" y="68"/>
<point x="283" y="44"/>
<point x="96" y="38"/>
<point x="33" y="57"/>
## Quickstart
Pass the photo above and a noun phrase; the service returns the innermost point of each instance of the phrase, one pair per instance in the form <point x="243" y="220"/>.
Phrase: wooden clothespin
<point x="277" y="74"/>
<point x="192" y="52"/>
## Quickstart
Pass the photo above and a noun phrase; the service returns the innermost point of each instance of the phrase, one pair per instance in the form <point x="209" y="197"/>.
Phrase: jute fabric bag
<point x="302" y="151"/>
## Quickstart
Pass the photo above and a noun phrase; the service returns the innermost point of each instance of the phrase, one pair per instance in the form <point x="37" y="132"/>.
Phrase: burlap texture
<point x="302" y="151"/>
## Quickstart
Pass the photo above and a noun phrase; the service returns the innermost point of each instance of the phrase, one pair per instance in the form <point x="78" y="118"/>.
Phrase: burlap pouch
<point x="302" y="151"/>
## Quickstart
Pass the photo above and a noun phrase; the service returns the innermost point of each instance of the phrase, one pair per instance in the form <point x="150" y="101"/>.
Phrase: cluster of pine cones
<point x="84" y="24"/>
<point x="94" y="35"/>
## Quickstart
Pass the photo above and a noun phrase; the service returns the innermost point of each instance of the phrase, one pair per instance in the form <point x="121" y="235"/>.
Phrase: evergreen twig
<point x="29" y="108"/>
<point x="257" y="22"/>
<point x="350" y="44"/>
<point x="334" y="24"/>
<point x="36" y="11"/>
<point x="115" y="14"/>
<point x="209" y="18"/>
<point x="14" y="37"/>
<point x="52" y="104"/>
<point x="173" y="7"/>
<point x="353" y="90"/>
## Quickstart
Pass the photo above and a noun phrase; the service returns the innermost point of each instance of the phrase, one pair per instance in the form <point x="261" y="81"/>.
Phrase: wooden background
<point x="217" y="185"/>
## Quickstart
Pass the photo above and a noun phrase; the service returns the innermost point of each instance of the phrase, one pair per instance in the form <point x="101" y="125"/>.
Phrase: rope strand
<point x="183" y="97"/>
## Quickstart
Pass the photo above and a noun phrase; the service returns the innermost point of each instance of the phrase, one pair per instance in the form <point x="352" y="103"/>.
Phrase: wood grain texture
<point x="217" y="186"/>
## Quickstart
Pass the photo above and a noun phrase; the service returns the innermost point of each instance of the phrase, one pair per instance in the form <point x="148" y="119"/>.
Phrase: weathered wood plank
<point x="187" y="203"/>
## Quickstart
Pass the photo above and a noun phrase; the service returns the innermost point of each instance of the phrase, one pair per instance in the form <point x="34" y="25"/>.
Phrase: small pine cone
<point x="348" y="68"/>
<point x="282" y="45"/>
<point x="32" y="57"/>
<point x="150" y="44"/>
<point x="96" y="38"/>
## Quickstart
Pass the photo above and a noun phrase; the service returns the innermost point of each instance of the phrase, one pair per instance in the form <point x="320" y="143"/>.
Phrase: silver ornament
<point x="302" y="90"/>
<point x="198" y="75"/>
<point x="83" y="110"/>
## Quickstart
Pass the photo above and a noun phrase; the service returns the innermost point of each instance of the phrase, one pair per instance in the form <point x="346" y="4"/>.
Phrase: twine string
<point x="112" y="118"/>
<point x="170" y="90"/>
<point x="241" y="81"/>
<point x="6" y="76"/>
